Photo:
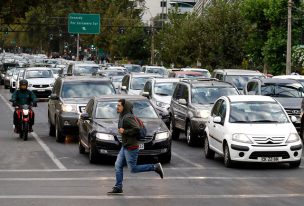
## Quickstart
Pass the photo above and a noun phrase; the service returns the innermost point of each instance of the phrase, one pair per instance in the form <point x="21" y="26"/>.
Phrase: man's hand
<point x="121" y="130"/>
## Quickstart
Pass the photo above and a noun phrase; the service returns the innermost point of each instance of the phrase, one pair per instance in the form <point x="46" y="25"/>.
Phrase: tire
<point x="25" y="131"/>
<point x="81" y="148"/>
<point x="209" y="154"/>
<point x="165" y="158"/>
<point x="6" y="87"/>
<point x="295" y="164"/>
<point x="52" y="129"/>
<point x="174" y="131"/>
<point x="59" y="136"/>
<point x="191" y="139"/>
<point x="227" y="160"/>
<point x="93" y="156"/>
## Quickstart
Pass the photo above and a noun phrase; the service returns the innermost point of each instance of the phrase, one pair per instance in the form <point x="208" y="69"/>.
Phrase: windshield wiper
<point x="239" y="121"/>
<point x="162" y="94"/>
<point x="265" y="121"/>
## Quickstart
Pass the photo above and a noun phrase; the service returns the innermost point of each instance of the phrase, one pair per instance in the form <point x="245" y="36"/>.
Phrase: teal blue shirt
<point x="22" y="97"/>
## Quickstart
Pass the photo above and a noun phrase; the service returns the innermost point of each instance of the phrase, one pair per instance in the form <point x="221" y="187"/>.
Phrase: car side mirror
<point x="85" y="116"/>
<point x="217" y="119"/>
<point x="53" y="97"/>
<point x="293" y="119"/>
<point x="123" y="88"/>
<point x="146" y="94"/>
<point x="182" y="101"/>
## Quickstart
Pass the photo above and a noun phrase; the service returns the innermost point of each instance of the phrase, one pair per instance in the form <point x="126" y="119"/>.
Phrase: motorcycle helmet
<point x="23" y="84"/>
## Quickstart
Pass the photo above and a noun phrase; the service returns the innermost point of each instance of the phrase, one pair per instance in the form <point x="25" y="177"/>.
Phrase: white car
<point x="252" y="129"/>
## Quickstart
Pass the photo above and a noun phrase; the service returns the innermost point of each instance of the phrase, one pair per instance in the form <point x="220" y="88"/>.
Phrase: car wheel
<point x="191" y="139"/>
<point x="174" y="131"/>
<point x="81" y="148"/>
<point x="209" y="154"/>
<point x="165" y="158"/>
<point x="227" y="160"/>
<point x="59" y="136"/>
<point x="52" y="130"/>
<point x="295" y="164"/>
<point x="6" y="87"/>
<point x="93" y="156"/>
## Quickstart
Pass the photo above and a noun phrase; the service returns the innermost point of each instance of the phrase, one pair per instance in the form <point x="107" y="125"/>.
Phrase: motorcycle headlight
<point x="202" y="113"/>
<point x="102" y="136"/>
<point x="162" y="104"/>
<point x="293" y="137"/>
<point x="162" y="136"/>
<point x="241" y="138"/>
<point x="69" y="108"/>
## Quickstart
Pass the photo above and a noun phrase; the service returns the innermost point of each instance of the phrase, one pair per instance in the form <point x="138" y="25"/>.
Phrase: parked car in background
<point x="114" y="75"/>
<point x="155" y="70"/>
<point x="98" y="129"/>
<point x="69" y="98"/>
<point x="132" y="67"/>
<point x="7" y="78"/>
<point x="191" y="104"/>
<point x="160" y="91"/>
<point x="133" y="83"/>
<point x="204" y="72"/>
<point x="252" y="129"/>
<point x="82" y="69"/>
<point x="289" y="92"/>
<point x="238" y="77"/>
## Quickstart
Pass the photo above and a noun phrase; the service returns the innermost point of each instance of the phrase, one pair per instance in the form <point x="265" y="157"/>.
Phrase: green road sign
<point x="84" y="23"/>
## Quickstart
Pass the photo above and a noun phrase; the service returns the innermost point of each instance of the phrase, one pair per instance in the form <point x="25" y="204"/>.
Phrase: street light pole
<point x="152" y="43"/>
<point x="288" y="52"/>
<point x="77" y="56"/>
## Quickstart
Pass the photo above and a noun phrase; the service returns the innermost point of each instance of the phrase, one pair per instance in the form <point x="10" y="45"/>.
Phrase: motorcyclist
<point x="21" y="97"/>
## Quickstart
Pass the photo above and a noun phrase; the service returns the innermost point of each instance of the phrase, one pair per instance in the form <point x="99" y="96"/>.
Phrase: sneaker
<point x="115" y="191"/>
<point x="159" y="170"/>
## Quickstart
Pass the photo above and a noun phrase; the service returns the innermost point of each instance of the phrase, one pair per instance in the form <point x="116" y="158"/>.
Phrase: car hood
<point x="289" y="103"/>
<point x="203" y="106"/>
<point x="41" y="81"/>
<point x="75" y="100"/>
<point x="282" y="129"/>
<point x="110" y="126"/>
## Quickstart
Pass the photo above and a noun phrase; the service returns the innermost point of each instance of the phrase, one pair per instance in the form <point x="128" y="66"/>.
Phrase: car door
<point x="53" y="102"/>
<point x="181" y="109"/>
<point x="86" y="125"/>
<point x="217" y="130"/>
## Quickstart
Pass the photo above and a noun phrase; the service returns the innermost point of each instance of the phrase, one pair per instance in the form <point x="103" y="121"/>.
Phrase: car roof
<point x="250" y="98"/>
<point x="144" y="75"/>
<point x="278" y="80"/>
<point x="166" y="79"/>
<point x="194" y="69"/>
<point x="288" y="77"/>
<point x="85" y="64"/>
<point x="83" y="78"/>
<point x="187" y="72"/>
<point x="206" y="82"/>
<point x="239" y="72"/>
<point x="120" y="96"/>
<point x="39" y="68"/>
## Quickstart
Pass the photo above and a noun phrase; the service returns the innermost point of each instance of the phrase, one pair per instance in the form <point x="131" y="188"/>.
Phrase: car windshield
<point x="204" y="73"/>
<point x="86" y="89"/>
<point x="133" y="68"/>
<point x="141" y="109"/>
<point x="83" y="70"/>
<point x="117" y="78"/>
<point x="30" y="74"/>
<point x="208" y="95"/>
<point x="239" y="80"/>
<point x="161" y="71"/>
<point x="164" y="88"/>
<point x="257" y="112"/>
<point x="138" y="83"/>
<point x="189" y="75"/>
<point x="56" y="70"/>
<point x="283" y="90"/>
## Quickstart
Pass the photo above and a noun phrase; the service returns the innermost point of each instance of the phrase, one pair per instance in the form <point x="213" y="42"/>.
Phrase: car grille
<point x="282" y="154"/>
<point x="294" y="112"/>
<point x="41" y="85"/>
<point x="146" y="139"/>
<point x="268" y="140"/>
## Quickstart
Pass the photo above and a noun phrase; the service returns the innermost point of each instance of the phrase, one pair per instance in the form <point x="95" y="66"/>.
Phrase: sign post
<point x="83" y="24"/>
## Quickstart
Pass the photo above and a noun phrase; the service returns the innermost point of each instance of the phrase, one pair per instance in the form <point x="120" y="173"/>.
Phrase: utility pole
<point x="288" y="53"/>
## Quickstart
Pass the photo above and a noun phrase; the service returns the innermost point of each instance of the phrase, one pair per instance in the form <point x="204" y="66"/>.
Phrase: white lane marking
<point x="187" y="160"/>
<point x="117" y="197"/>
<point x="42" y="144"/>
<point x="142" y="178"/>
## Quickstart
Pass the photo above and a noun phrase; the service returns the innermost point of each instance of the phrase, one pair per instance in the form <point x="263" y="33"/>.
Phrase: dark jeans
<point x="129" y="157"/>
<point x="17" y="120"/>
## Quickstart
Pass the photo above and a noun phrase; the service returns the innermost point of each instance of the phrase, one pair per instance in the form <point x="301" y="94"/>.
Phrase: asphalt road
<point x="41" y="171"/>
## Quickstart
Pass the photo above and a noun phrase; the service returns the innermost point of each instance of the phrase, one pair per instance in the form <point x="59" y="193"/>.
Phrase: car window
<point x="208" y="95"/>
<point x="164" y="88"/>
<point x="185" y="93"/>
<point x="222" y="111"/>
<point x="38" y="74"/>
<point x="282" y="90"/>
<point x="82" y="70"/>
<point x="86" y="89"/>
<point x="89" y="108"/>
<point x="138" y="83"/>
<point x="240" y="80"/>
<point x="216" y="108"/>
<point x="252" y="88"/>
<point x="125" y="81"/>
<point x="142" y="109"/>
<point x="257" y="112"/>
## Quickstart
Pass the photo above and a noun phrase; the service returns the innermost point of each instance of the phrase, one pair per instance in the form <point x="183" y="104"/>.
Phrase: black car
<point x="98" y="129"/>
<point x="69" y="98"/>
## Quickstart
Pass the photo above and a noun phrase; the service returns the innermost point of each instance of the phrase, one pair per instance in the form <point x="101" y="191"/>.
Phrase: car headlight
<point x="102" y="136"/>
<point x="202" y="113"/>
<point x="241" y="138"/>
<point x="69" y="108"/>
<point x="162" y="136"/>
<point x="51" y="85"/>
<point x="30" y="85"/>
<point x="162" y="104"/>
<point x="293" y="137"/>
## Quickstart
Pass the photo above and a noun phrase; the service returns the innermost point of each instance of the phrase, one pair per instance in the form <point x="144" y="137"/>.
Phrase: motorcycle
<point x="24" y="113"/>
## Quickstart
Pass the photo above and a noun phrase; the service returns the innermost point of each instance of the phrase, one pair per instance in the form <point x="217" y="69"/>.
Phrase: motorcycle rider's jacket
<point x="22" y="97"/>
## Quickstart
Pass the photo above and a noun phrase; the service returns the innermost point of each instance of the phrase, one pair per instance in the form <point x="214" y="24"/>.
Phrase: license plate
<point x="269" y="159"/>
<point x="141" y="146"/>
<point x="41" y="90"/>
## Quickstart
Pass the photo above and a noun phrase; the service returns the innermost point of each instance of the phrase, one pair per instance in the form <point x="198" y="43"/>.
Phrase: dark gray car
<point x="68" y="100"/>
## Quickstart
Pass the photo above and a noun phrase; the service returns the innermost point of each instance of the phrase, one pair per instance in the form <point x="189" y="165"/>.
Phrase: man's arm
<point x="33" y="99"/>
<point x="131" y="126"/>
